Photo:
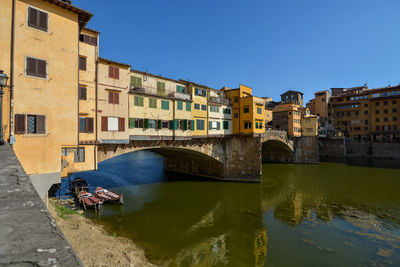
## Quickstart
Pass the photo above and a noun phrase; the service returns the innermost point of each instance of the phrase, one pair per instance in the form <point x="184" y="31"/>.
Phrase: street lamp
<point x="3" y="83"/>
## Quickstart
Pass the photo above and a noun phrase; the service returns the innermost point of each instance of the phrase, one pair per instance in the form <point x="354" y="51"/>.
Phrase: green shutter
<point x="188" y="106"/>
<point x="171" y="125"/>
<point x="185" y="125"/>
<point x="218" y="125"/>
<point x="160" y="88"/>
<point x="131" y="123"/>
<point x="159" y="124"/>
<point x="175" y="124"/>
<point x="192" y="128"/>
<point x="226" y="125"/>
<point x="180" y="105"/>
<point x="146" y="123"/>
<point x="180" y="89"/>
<point x="210" y="125"/>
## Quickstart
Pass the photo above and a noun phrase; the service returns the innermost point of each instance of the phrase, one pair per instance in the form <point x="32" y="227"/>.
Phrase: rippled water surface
<point x="330" y="214"/>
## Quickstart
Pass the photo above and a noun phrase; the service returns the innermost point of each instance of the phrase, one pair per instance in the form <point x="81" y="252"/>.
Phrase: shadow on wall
<point x="276" y="151"/>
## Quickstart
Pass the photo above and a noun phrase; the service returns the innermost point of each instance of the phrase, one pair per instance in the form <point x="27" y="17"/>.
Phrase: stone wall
<point x="306" y="149"/>
<point x="333" y="148"/>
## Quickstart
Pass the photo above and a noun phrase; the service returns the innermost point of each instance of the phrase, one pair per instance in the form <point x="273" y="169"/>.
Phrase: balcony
<point x="159" y="92"/>
<point x="221" y="100"/>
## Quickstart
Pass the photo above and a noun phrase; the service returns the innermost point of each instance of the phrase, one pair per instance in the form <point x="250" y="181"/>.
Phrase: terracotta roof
<point x="195" y="84"/>
<point x="113" y="62"/>
<point x="83" y="15"/>
<point x="368" y="91"/>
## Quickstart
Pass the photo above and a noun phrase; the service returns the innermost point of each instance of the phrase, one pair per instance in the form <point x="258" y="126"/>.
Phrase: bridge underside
<point x="276" y="151"/>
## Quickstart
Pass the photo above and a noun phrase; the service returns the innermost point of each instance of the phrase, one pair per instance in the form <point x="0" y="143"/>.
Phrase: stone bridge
<point x="227" y="158"/>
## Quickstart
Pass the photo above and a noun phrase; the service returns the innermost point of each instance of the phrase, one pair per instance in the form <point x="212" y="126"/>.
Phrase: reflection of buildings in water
<point x="260" y="248"/>
<point x="291" y="210"/>
<point x="206" y="221"/>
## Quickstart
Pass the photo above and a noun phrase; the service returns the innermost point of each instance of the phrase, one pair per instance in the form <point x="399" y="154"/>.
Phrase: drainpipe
<point x="207" y="124"/>
<point x="96" y="108"/>
<point x="12" y="138"/>
<point x="78" y="87"/>
<point x="173" y="119"/>
<point x="1" y="114"/>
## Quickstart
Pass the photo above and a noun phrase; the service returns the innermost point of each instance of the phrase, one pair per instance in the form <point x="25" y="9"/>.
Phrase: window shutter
<point x="193" y="125"/>
<point x="159" y="124"/>
<point x="116" y="73"/>
<point x="43" y="20"/>
<point x="30" y="66"/>
<point x="175" y="124"/>
<point x="110" y="97"/>
<point x="82" y="93"/>
<point x="40" y="124"/>
<point x="146" y="123"/>
<point x="89" y="125"/>
<point x="185" y="125"/>
<point x="41" y="68"/>
<point x="32" y="17"/>
<point x="82" y="63"/>
<point x="104" y="124"/>
<point x="110" y="72"/>
<point x="210" y="125"/>
<point x="121" y="124"/>
<point x="116" y="98"/>
<point x="218" y="125"/>
<point x="20" y="123"/>
<point x="131" y="123"/>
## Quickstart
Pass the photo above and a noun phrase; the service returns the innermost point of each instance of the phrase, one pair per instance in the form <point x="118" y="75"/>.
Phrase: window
<point x="259" y="111"/>
<point x="165" y="104"/>
<point x="246" y="110"/>
<point x="376" y="103"/>
<point x="394" y="102"/>
<point x="366" y="122"/>
<point x="138" y="123"/>
<point x="377" y="128"/>
<point x="165" y="124"/>
<point x="214" y="125"/>
<point x="152" y="103"/>
<point x="365" y="105"/>
<point x="112" y="124"/>
<point x="200" y="92"/>
<point x="196" y="106"/>
<point x="236" y="115"/>
<point x="214" y="109"/>
<point x="256" y="125"/>
<point x="247" y="125"/>
<point x="32" y="124"/>
<point x="36" y="67"/>
<point x="88" y="39"/>
<point x="180" y="105"/>
<point x="377" y="111"/>
<point x="385" y="119"/>
<point x="385" y="103"/>
<point x="188" y="106"/>
<point x="37" y="19"/>
<point x="200" y="124"/>
<point x="394" y="110"/>
<point x="138" y="101"/>
<point x="376" y="95"/>
<point x="377" y="119"/>
<point x="113" y="97"/>
<point x="236" y="100"/>
<point x="152" y="124"/>
<point x="180" y="89"/>
<point x="385" y="111"/>
<point x="394" y="118"/>
<point x="136" y="81"/>
<point x="226" y="111"/>
<point x="160" y="88"/>
<point x="225" y="125"/>
<point x="82" y="93"/>
<point x="113" y="72"/>
<point x="79" y="155"/>
<point x="203" y="107"/>
<point x="356" y="113"/>
<point x="85" y="125"/>
<point x="82" y="63"/>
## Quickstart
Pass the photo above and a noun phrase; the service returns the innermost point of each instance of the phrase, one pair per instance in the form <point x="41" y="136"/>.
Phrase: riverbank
<point x="94" y="246"/>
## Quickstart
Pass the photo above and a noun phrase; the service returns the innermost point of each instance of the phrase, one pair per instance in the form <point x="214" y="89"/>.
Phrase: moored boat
<point x="109" y="196"/>
<point x="88" y="200"/>
<point x="77" y="185"/>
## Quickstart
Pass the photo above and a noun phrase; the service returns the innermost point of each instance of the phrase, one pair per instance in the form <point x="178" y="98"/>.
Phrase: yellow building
<point x="42" y="64"/>
<point x="219" y="114"/>
<point x="248" y="110"/>
<point x="309" y="125"/>
<point x="287" y="117"/>
<point x="88" y="56"/>
<point x="113" y="102"/>
<point x="159" y="108"/>
<point x="199" y="94"/>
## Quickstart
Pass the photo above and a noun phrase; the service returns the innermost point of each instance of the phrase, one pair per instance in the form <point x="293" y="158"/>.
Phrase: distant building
<point x="292" y="97"/>
<point x="309" y="125"/>
<point x="287" y="117"/>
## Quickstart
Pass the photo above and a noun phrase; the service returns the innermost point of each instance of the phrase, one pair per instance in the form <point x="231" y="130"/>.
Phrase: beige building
<point x="287" y="117"/>
<point x="219" y="114"/>
<point x="159" y="108"/>
<point x="309" y="125"/>
<point x="113" y="102"/>
<point x="42" y="122"/>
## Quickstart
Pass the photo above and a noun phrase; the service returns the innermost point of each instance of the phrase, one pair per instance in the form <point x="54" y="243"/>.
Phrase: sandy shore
<point x="94" y="246"/>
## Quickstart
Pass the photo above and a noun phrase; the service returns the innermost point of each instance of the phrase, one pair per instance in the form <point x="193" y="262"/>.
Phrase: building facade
<point x="219" y="114"/>
<point x="292" y="97"/>
<point x="287" y="117"/>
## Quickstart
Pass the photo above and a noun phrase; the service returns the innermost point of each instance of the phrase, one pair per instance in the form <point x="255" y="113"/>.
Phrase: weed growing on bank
<point x="63" y="211"/>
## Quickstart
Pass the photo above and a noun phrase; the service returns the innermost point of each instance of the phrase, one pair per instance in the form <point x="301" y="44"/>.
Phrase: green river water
<point x="328" y="214"/>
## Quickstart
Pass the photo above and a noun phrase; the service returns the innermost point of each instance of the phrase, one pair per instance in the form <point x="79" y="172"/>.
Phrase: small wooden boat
<point x="88" y="200"/>
<point x="109" y="196"/>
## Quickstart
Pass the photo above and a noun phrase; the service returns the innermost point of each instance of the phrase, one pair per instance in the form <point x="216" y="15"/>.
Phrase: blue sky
<point x="269" y="45"/>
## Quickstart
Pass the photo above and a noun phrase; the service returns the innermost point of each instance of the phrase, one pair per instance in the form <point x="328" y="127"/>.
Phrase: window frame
<point x="32" y="76"/>
<point x="37" y="28"/>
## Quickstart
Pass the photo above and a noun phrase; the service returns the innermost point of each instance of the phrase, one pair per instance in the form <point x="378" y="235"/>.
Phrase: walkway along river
<point x="330" y="214"/>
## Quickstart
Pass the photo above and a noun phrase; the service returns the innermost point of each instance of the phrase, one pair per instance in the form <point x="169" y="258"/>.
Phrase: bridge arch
<point x="274" y="150"/>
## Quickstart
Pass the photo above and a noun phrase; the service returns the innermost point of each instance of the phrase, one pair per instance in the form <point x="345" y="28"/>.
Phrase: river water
<point x="329" y="214"/>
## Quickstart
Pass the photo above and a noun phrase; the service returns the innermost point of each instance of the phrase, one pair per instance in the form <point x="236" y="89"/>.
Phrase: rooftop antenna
<point x="145" y="76"/>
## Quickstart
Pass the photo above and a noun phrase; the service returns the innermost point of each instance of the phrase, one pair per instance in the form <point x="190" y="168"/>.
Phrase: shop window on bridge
<point x="165" y="124"/>
<point x="247" y="125"/>
<point x="214" y="125"/>
<point x="200" y="124"/>
<point x="152" y="124"/>
<point x="225" y="125"/>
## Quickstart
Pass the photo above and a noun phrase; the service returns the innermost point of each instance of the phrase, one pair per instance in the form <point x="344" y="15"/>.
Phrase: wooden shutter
<point x="20" y="123"/>
<point x="131" y="123"/>
<point x="146" y="124"/>
<point x="110" y="97"/>
<point x="30" y="66"/>
<point x="210" y="125"/>
<point x="184" y="125"/>
<point x="42" y="20"/>
<point x="89" y="125"/>
<point x="32" y="17"/>
<point x="193" y="125"/>
<point x="110" y="72"/>
<point x="82" y="63"/>
<point x="82" y="93"/>
<point x="116" y="98"/>
<point x="159" y="124"/>
<point x="40" y="124"/>
<point x="116" y="73"/>
<point x="41" y="68"/>
<point x="104" y="124"/>
<point x="121" y="124"/>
